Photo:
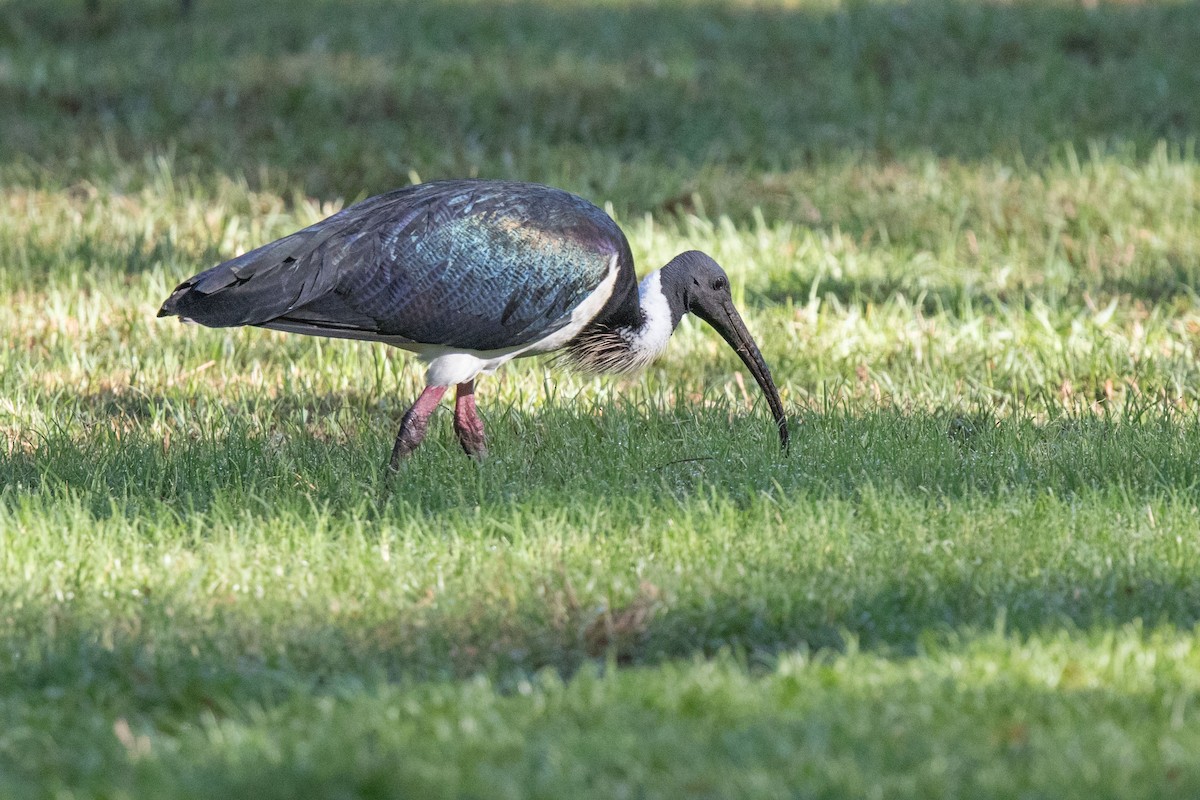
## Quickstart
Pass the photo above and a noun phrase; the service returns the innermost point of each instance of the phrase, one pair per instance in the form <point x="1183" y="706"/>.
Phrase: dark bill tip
<point x="729" y="324"/>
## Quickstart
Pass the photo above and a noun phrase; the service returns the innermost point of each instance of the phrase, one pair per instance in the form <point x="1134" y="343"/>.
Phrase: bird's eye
<point x="718" y="284"/>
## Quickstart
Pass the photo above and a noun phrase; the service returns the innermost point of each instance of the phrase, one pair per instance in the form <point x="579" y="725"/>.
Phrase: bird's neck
<point x="632" y="346"/>
<point x="661" y="312"/>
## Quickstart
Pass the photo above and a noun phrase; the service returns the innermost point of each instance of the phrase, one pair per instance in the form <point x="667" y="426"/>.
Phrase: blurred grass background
<point x="965" y="233"/>
<point x="641" y="104"/>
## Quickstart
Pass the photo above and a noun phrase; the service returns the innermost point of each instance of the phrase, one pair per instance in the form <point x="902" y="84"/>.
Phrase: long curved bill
<point x="729" y="324"/>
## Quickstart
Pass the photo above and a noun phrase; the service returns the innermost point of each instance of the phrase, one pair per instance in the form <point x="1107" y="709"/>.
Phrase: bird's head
<point x="694" y="283"/>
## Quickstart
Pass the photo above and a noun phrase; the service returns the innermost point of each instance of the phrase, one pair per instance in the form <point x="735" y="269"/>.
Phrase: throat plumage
<point x="629" y="348"/>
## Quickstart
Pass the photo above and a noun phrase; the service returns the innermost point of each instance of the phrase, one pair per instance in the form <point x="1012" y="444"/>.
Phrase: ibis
<point x="470" y="274"/>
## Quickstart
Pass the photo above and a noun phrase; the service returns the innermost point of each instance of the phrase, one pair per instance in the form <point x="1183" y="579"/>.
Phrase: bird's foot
<point x="415" y="424"/>
<point x="474" y="443"/>
<point x="407" y="440"/>
<point x="467" y="423"/>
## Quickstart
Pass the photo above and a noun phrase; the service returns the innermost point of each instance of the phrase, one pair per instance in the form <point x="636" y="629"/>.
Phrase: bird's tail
<point x="252" y="288"/>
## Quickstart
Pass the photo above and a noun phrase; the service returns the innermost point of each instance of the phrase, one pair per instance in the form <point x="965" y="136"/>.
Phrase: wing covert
<point x="483" y="268"/>
<point x="478" y="265"/>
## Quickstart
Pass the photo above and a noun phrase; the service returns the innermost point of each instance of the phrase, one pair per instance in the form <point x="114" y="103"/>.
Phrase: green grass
<point x="965" y="234"/>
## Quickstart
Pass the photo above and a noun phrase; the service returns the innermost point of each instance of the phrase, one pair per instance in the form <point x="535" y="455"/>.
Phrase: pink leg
<point x="467" y="423"/>
<point x="416" y="420"/>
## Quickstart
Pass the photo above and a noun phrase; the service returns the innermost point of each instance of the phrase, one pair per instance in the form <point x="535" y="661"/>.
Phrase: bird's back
<point x="475" y="265"/>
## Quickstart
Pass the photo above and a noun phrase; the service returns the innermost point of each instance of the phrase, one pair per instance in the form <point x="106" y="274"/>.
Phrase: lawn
<point x="966" y="235"/>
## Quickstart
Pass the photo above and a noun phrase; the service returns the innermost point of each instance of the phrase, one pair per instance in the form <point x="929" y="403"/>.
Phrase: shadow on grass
<point x="331" y="449"/>
<point x="955" y="483"/>
<point x="166" y="656"/>
<point x="349" y="98"/>
<point x="203" y="726"/>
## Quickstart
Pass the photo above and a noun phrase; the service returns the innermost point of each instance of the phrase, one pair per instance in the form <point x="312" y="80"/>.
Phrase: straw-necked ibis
<point x="468" y="275"/>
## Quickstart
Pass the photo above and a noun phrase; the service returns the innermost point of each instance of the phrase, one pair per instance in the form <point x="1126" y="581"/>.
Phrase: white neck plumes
<point x="651" y="339"/>
<point x="630" y="349"/>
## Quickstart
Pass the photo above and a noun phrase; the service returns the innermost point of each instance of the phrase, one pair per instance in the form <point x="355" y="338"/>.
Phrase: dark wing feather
<point x="479" y="265"/>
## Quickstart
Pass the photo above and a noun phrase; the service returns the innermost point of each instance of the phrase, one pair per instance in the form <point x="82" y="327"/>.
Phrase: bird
<point x="468" y="275"/>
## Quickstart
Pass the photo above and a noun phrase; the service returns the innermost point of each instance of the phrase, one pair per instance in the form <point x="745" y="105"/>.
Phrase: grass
<point x="964" y="234"/>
